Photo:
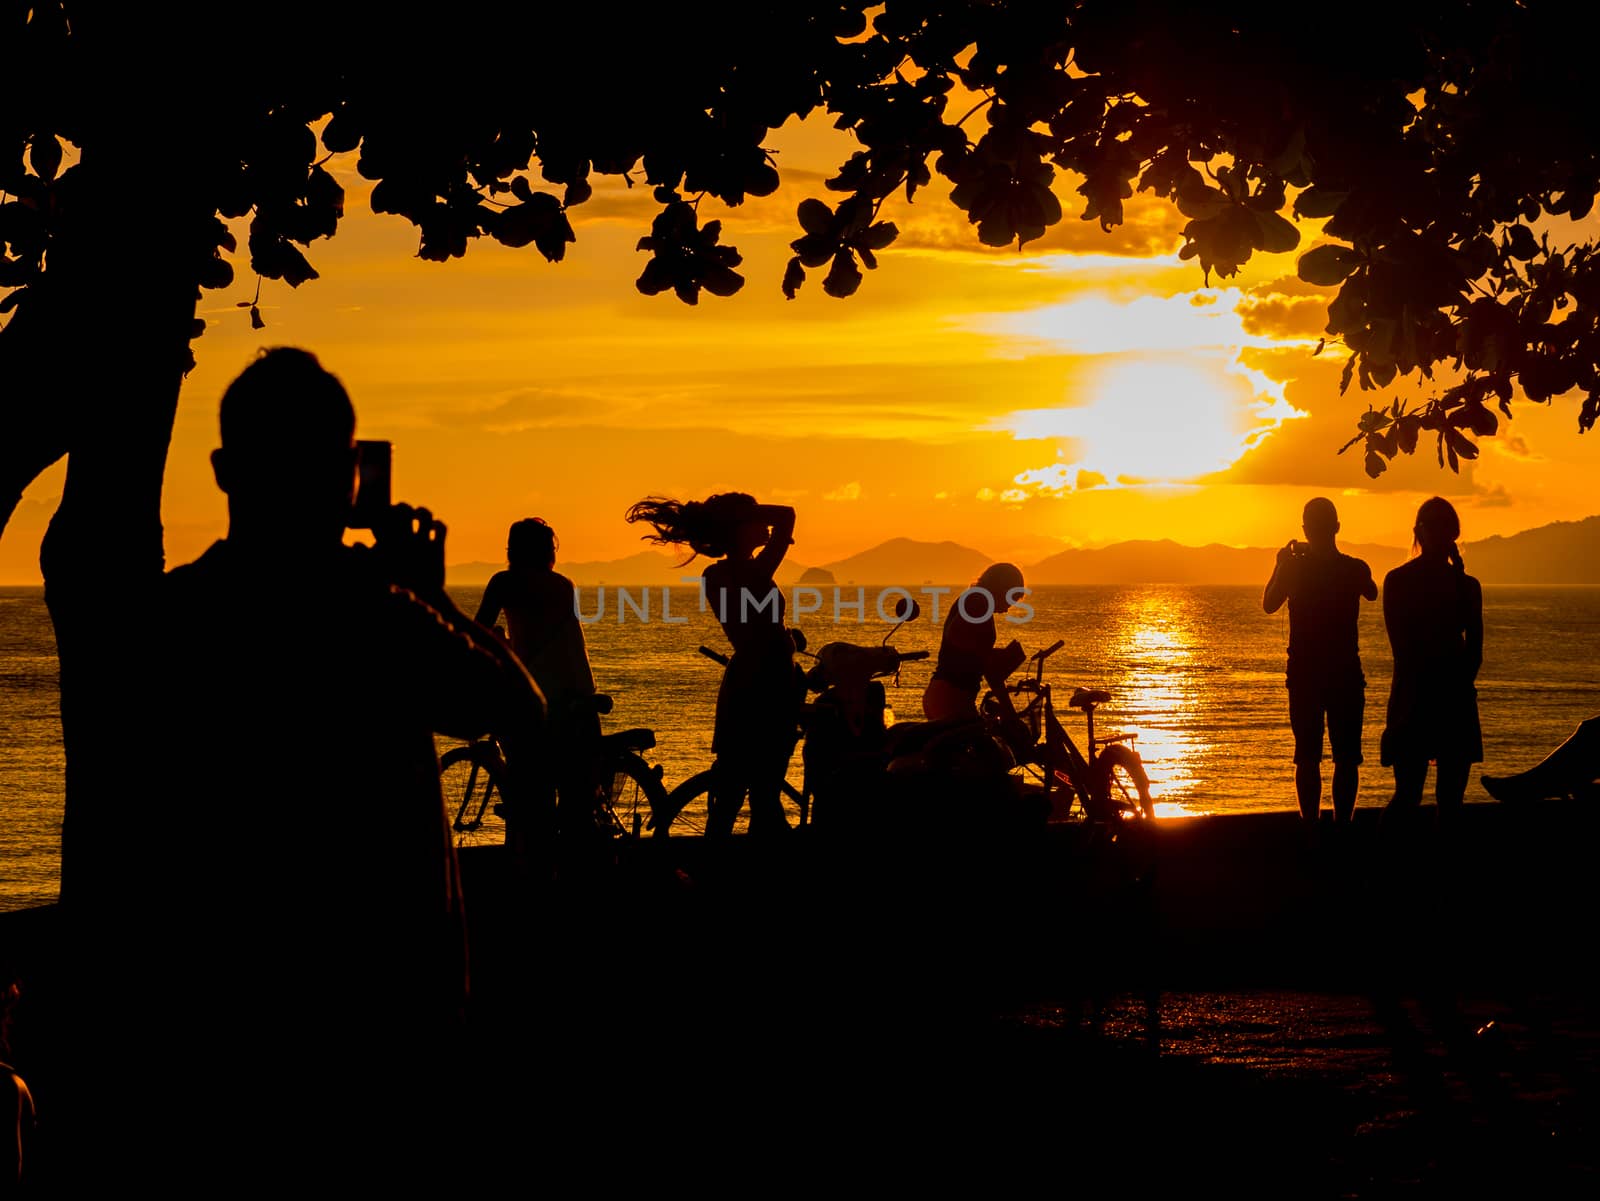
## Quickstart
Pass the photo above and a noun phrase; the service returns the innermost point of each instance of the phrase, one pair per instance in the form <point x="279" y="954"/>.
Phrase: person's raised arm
<point x="466" y="677"/>
<point x="1277" y="589"/>
<point x="779" y="520"/>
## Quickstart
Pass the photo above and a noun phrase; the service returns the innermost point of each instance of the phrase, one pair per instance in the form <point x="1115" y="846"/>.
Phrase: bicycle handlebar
<point x="1050" y="650"/>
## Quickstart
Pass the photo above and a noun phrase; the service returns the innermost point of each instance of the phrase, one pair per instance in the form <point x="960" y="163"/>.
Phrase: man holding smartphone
<point x="1324" y="589"/>
<point x="298" y="930"/>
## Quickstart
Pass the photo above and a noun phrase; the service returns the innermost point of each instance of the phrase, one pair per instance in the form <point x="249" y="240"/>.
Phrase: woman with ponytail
<point x="1433" y="611"/>
<point x="758" y="703"/>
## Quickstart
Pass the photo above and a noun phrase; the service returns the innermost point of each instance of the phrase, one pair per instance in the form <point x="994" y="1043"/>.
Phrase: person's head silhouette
<point x="1003" y="582"/>
<point x="1436" y="530"/>
<point x="1320" y="520"/>
<point x="531" y="543"/>
<point x="288" y="455"/>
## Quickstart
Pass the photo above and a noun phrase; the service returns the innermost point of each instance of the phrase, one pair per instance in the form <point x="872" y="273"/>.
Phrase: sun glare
<point x="1152" y="422"/>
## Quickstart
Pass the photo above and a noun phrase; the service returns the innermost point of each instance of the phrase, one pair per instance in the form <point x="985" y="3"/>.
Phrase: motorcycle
<point x="860" y="768"/>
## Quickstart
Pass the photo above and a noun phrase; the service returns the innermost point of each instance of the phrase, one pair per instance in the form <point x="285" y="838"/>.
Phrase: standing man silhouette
<point x="1324" y="589"/>
<point x="288" y="937"/>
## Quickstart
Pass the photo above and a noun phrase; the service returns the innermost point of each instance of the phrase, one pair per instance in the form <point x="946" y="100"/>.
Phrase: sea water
<point x="1195" y="672"/>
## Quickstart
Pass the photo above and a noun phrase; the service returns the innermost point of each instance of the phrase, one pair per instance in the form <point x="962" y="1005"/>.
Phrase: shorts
<point x="1342" y="703"/>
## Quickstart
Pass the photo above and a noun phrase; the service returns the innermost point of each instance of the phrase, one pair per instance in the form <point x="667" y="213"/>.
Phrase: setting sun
<point x="1154" y="421"/>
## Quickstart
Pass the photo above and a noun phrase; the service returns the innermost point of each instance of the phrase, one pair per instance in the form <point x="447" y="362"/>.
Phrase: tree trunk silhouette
<point x="93" y="359"/>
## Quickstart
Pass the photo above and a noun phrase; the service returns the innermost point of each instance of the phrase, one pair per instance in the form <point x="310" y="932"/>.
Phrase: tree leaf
<point x="1278" y="235"/>
<point x="815" y="217"/>
<point x="1328" y="265"/>
<point x="844" y="277"/>
<point x="1317" y="202"/>
<point x="793" y="276"/>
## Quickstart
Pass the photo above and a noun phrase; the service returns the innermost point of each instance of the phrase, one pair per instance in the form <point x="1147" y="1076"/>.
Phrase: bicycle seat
<point x="1084" y="698"/>
<point x="629" y="740"/>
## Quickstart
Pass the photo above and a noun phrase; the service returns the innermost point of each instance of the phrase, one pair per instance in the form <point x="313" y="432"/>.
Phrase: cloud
<point x="1512" y="446"/>
<point x="850" y="491"/>
<point x="1305" y="453"/>
<point x="1294" y="286"/>
<point x="1493" y="497"/>
<point x="1272" y="315"/>
<point x="1150" y="228"/>
<point x="532" y="408"/>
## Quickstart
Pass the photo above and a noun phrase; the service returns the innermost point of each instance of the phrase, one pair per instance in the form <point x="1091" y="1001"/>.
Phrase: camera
<point x="374" y="460"/>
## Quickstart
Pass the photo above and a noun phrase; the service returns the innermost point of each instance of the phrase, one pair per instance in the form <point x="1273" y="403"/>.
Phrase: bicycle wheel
<point x="686" y="807"/>
<point x="1123" y="783"/>
<point x="633" y="796"/>
<point x="472" y="779"/>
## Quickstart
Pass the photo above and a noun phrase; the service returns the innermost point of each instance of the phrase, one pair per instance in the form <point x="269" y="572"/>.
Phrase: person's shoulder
<point x="1404" y="574"/>
<point x="1359" y="571"/>
<point x="197" y="576"/>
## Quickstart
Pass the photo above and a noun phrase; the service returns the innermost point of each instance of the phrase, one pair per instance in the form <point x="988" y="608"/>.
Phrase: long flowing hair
<point x="707" y="527"/>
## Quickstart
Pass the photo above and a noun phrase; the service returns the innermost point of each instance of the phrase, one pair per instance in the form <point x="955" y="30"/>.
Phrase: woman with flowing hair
<point x="1433" y="611"/>
<point x="758" y="702"/>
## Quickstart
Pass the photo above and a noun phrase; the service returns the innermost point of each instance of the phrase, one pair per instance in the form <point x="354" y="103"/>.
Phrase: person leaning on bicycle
<point x="539" y="604"/>
<point x="968" y="658"/>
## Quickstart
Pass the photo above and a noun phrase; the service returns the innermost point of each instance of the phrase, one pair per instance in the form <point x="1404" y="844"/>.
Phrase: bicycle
<point x="844" y="723"/>
<point x="629" y="794"/>
<point x="1100" y="782"/>
<point x="688" y="806"/>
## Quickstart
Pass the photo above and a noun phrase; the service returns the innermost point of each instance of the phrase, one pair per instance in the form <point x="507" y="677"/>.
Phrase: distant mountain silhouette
<point x="1168" y="562"/>
<point x="907" y="562"/>
<point x="647" y="568"/>
<point x="1563" y="554"/>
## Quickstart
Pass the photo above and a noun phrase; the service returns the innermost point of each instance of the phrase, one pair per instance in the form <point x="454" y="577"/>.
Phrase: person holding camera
<point x="291" y="923"/>
<point x="1324" y="589"/>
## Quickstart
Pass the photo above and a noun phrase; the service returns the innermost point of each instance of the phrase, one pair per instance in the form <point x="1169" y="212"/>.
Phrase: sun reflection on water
<point x="1153" y="660"/>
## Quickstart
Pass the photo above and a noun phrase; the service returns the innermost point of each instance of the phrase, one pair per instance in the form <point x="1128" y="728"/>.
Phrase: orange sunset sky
<point x="1086" y="390"/>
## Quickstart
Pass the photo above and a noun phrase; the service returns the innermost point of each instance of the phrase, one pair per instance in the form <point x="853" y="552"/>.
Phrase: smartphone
<point x="374" y="459"/>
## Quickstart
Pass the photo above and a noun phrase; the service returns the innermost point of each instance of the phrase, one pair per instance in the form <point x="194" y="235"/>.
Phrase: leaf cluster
<point x="1440" y="160"/>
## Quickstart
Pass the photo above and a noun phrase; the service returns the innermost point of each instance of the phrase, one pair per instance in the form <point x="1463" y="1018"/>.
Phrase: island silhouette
<point x="1561" y="554"/>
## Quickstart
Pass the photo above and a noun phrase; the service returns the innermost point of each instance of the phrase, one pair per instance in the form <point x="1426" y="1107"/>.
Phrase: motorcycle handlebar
<point x="714" y="656"/>
<point x="912" y="656"/>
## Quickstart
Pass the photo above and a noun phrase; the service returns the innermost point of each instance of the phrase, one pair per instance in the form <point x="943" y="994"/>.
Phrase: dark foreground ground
<point x="1229" y="1005"/>
<point x="1222" y="1005"/>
